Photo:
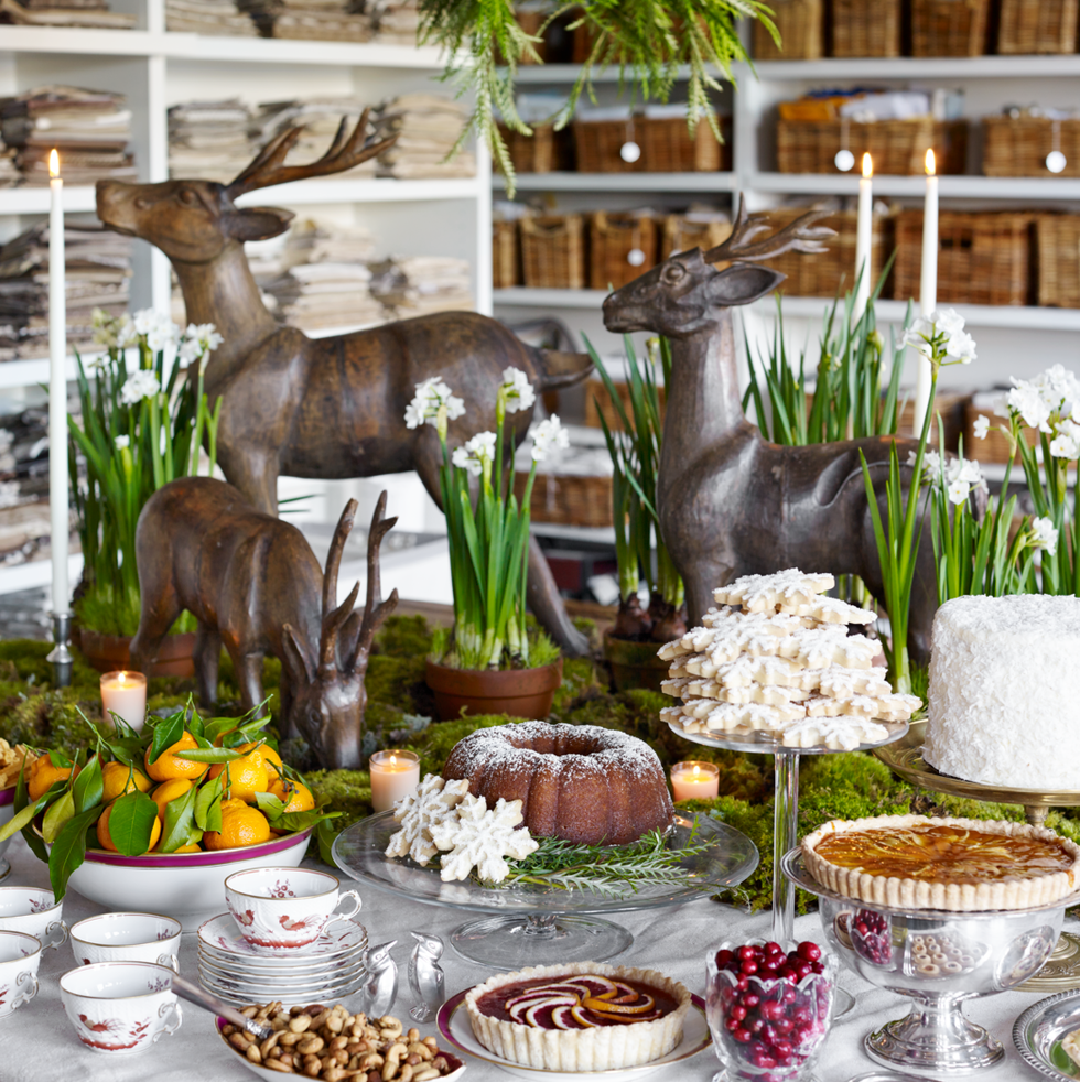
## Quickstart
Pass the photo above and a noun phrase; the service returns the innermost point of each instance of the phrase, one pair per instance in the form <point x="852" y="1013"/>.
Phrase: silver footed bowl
<point x="938" y="958"/>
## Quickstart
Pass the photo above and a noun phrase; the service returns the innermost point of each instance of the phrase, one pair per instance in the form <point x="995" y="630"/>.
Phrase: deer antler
<point x="334" y="618"/>
<point x="801" y="235"/>
<point x="268" y="167"/>
<point x="375" y="611"/>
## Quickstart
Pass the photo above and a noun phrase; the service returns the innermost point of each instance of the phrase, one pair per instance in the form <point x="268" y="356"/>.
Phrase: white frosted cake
<point x="1004" y="696"/>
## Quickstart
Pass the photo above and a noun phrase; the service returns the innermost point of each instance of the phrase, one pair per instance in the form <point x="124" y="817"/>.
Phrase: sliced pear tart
<point x="912" y="862"/>
<point x="580" y="1017"/>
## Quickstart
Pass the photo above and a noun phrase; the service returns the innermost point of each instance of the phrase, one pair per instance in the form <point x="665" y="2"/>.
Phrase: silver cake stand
<point x="1062" y="971"/>
<point x="529" y="924"/>
<point x="988" y="951"/>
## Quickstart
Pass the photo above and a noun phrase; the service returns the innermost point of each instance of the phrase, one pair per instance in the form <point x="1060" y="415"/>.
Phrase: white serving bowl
<point x="187" y="886"/>
<point x="7" y="812"/>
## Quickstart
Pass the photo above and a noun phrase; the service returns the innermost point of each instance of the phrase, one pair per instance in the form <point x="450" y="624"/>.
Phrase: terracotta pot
<point x="634" y="664"/>
<point x="521" y="693"/>
<point x="107" y="653"/>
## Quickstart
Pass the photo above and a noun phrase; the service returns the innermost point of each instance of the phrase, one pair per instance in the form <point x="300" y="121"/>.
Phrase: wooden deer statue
<point x="254" y="585"/>
<point x="729" y="502"/>
<point x="328" y="407"/>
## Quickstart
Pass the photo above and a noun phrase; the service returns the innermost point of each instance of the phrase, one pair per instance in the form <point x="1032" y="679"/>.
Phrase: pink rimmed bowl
<point x="187" y="886"/>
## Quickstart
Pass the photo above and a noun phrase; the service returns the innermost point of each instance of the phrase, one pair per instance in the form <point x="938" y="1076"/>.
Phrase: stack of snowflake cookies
<point x="777" y="658"/>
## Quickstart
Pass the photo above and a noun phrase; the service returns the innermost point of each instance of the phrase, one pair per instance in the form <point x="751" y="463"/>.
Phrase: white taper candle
<point x="927" y="286"/>
<point x="58" y="463"/>
<point x="864" y="232"/>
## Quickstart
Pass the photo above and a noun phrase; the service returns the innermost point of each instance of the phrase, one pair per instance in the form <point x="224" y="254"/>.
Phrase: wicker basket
<point x="823" y="274"/>
<point x="668" y="147"/>
<point x="1057" y="245"/>
<point x="898" y="147"/>
<point x="568" y="499"/>
<point x="621" y="248"/>
<point x="995" y="447"/>
<point x="799" y="23"/>
<point x="949" y="27"/>
<point x="598" y="404"/>
<point x="1037" y="26"/>
<point x="680" y="233"/>
<point x="505" y="255"/>
<point x="553" y="251"/>
<point x="598" y="143"/>
<point x="865" y="28"/>
<point x="1018" y="146"/>
<point x="530" y="153"/>
<point x="982" y="258"/>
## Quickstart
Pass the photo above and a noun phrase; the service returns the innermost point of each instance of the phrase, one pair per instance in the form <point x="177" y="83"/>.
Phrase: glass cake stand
<point x="534" y="925"/>
<point x="1062" y="970"/>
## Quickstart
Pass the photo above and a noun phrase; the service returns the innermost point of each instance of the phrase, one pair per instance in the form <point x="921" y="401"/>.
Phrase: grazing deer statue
<point x="328" y="407"/>
<point x="254" y="585"/>
<point x="729" y="502"/>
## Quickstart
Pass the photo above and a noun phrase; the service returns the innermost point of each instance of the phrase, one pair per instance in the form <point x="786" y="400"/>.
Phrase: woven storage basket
<point x="823" y="274"/>
<point x="568" y="499"/>
<point x="530" y="153"/>
<point x="1018" y="146"/>
<point x="982" y="258"/>
<point x="680" y="233"/>
<point x="800" y="25"/>
<point x="995" y="448"/>
<point x="597" y="145"/>
<point x="505" y="255"/>
<point x="949" y="27"/>
<point x="622" y="247"/>
<point x="668" y="147"/>
<point x="553" y="251"/>
<point x="865" y="28"/>
<point x="1037" y="26"/>
<point x="598" y="404"/>
<point x="898" y="147"/>
<point x="1057" y="244"/>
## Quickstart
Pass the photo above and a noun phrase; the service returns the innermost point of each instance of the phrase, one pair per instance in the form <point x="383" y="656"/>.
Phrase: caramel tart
<point x="912" y="862"/>
<point x="580" y="1017"/>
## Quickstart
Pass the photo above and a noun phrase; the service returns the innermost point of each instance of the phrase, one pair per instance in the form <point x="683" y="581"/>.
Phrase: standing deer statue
<point x="253" y="584"/>
<point x="729" y="502"/>
<point x="328" y="407"/>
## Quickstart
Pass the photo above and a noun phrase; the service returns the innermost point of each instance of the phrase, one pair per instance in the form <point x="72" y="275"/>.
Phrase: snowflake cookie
<point x="479" y="837"/>
<point x="782" y="591"/>
<point x="419" y="812"/>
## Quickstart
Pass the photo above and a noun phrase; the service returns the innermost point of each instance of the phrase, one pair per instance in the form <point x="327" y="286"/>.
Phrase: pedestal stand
<point x="1062" y="969"/>
<point x="63" y="660"/>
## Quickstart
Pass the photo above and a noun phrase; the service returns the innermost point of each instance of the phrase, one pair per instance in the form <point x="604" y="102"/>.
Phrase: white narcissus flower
<point x="959" y="491"/>
<point x="206" y="334"/>
<point x="122" y="442"/>
<point x="1026" y="400"/>
<point x="519" y="392"/>
<point x="948" y="322"/>
<point x="126" y="334"/>
<point x="462" y="459"/>
<point x="1062" y="446"/>
<point x="1045" y="535"/>
<point x="967" y="470"/>
<point x="960" y="349"/>
<point x="981" y="426"/>
<point x="141" y="385"/>
<point x="918" y="335"/>
<point x="549" y="435"/>
<point x="476" y="452"/>
<point x="431" y="395"/>
<point x="158" y="329"/>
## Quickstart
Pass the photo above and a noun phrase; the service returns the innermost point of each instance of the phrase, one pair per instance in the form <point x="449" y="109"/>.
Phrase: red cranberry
<point x="738" y="1012"/>
<point x="782" y="1058"/>
<point x="745" y="953"/>
<point x="801" y="1016"/>
<point x="772" y="1011"/>
<point x="784" y="1026"/>
<point x="749" y="968"/>
<point x="741" y="1034"/>
<point x="769" y="968"/>
<point x="731" y="1024"/>
<point x="773" y="948"/>
<point x="742" y="983"/>
<point x="793" y="958"/>
<point x="750" y="1001"/>
<point x="809" y="952"/>
<point x="805" y="969"/>
<point x="756" y="1025"/>
<point x="723" y="957"/>
<point x="765" y="1062"/>
<point x="817" y="967"/>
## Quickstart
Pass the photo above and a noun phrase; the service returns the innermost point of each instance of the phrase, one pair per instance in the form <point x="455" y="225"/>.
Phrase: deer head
<point x="329" y="696"/>
<point x="194" y="220"/>
<point x="687" y="293"/>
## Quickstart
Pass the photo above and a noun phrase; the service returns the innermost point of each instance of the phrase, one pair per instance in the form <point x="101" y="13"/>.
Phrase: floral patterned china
<point x="20" y="955"/>
<point x="35" y="911"/>
<point x="221" y="935"/>
<point x="127" y="937"/>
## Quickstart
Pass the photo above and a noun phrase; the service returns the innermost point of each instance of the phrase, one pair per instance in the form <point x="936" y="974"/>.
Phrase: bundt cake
<point x="578" y="782"/>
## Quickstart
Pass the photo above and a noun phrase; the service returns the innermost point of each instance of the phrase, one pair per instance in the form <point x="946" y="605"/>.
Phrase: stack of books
<point x="428" y="127"/>
<point x="310" y="20"/>
<point x="420" y="285"/>
<point x="319" y="118"/>
<point x="88" y="14"/>
<point x="208" y="140"/>
<point x="208" y="17"/>
<point x="396" y="21"/>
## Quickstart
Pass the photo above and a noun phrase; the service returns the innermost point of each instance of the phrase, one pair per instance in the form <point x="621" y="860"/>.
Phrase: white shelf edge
<point x="385" y="190"/>
<point x="35" y="573"/>
<point x="79" y="199"/>
<point x="36" y="371"/>
<point x="972" y="187"/>
<point x="620" y="182"/>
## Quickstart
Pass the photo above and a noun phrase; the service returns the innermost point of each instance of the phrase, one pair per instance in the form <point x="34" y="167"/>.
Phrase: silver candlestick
<point x="426" y="976"/>
<point x="380" y="991"/>
<point x="63" y="660"/>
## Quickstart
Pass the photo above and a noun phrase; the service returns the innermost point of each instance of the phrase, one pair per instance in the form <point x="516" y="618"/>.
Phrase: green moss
<point x="346" y="791"/>
<point x="404" y="637"/>
<point x="392" y="680"/>
<point x="433" y="745"/>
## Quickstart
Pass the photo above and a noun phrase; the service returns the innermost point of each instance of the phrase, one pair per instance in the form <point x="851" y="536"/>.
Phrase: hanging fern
<point x="649" y="40"/>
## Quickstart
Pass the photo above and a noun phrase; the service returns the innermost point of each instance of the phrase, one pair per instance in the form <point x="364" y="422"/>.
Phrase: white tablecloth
<point x="38" y="1045"/>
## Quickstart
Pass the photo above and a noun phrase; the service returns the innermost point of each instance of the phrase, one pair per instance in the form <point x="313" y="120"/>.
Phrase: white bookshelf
<point x="156" y="69"/>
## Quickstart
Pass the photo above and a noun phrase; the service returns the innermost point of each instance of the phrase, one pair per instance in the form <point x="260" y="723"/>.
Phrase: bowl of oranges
<point x="161" y="818"/>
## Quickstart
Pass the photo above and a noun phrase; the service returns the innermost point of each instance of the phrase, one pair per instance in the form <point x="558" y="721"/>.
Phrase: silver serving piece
<point x="938" y="958"/>
<point x="380" y="991"/>
<point x="425" y="976"/>
<point x="1039" y="1031"/>
<point x="201" y="998"/>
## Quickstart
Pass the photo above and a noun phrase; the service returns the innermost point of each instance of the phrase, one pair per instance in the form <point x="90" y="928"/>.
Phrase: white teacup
<point x="35" y="911"/>
<point x="127" y="937"/>
<point x="120" y="1007"/>
<point x="20" y="955"/>
<point x="285" y="908"/>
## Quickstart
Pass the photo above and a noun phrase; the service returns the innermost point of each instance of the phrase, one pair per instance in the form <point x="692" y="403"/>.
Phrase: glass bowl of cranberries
<point x="769" y="1007"/>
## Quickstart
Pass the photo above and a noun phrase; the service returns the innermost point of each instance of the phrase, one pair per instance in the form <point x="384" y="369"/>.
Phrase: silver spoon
<point x="201" y="998"/>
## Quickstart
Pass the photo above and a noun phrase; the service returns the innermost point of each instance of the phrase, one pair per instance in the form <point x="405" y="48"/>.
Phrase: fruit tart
<point x="579" y="1017"/>
<point x="912" y="862"/>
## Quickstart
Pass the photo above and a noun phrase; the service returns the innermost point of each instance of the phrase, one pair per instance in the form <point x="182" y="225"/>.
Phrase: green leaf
<point x="166" y="733"/>
<point x="60" y="760"/>
<point x="179" y="822"/>
<point x="209" y="755"/>
<point x="289" y="822"/>
<point x="207" y="794"/>
<point x="69" y="849"/>
<point x="325" y="834"/>
<point x="271" y="806"/>
<point x="60" y="811"/>
<point x="88" y="787"/>
<point x="212" y="730"/>
<point x="213" y="812"/>
<point x="19" y="820"/>
<point x="131" y="823"/>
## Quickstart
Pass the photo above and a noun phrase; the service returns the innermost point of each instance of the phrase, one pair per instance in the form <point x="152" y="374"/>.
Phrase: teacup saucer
<point x="221" y="934"/>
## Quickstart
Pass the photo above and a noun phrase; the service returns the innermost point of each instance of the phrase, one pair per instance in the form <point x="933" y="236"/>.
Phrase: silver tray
<point x="1038" y="1032"/>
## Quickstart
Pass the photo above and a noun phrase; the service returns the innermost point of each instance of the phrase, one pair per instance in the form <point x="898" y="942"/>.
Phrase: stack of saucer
<point x="328" y="970"/>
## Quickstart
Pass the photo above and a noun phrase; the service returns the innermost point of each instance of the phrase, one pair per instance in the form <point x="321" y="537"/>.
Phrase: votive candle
<point x="864" y="235"/>
<point x="124" y="693"/>
<point x="695" y="780"/>
<point x="394" y="774"/>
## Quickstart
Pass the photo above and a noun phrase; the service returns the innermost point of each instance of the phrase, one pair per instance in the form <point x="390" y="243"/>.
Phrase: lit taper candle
<point x="927" y="286"/>
<point x="864" y="232"/>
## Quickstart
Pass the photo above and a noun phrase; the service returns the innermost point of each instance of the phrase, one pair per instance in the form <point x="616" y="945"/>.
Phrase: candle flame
<point x="54" y="164"/>
<point x="867" y="165"/>
<point x="931" y="164"/>
<point x="393" y="761"/>
<point x="697" y="770"/>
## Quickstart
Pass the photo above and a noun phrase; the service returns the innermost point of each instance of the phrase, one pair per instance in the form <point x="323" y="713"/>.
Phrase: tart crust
<point x="897" y="892"/>
<point x="604" y="1048"/>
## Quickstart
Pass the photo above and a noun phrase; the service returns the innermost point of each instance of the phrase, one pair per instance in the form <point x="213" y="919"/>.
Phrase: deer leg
<point x="249" y="675"/>
<point x="699" y="585"/>
<point x="207" y="657"/>
<point x="255" y="473"/>
<point x="286" y="726"/>
<point x="154" y="622"/>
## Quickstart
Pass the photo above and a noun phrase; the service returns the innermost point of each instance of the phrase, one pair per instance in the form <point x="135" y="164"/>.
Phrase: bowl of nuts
<point x="335" y="1045"/>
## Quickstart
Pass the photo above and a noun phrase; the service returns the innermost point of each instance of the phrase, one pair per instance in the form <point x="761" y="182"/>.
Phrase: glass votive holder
<point x="769" y="1007"/>
<point x="695" y="779"/>
<point x="394" y="774"/>
<point x="124" y="693"/>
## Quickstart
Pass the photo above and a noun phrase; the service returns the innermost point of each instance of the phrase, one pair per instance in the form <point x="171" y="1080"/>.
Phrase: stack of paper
<point x="428" y="127"/>
<point x="422" y="284"/>
<point x="309" y="20"/>
<point x="395" y="20"/>
<point x="208" y="17"/>
<point x="89" y="14"/>
<point x="319" y="118"/>
<point x="89" y="128"/>
<point x="208" y="140"/>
